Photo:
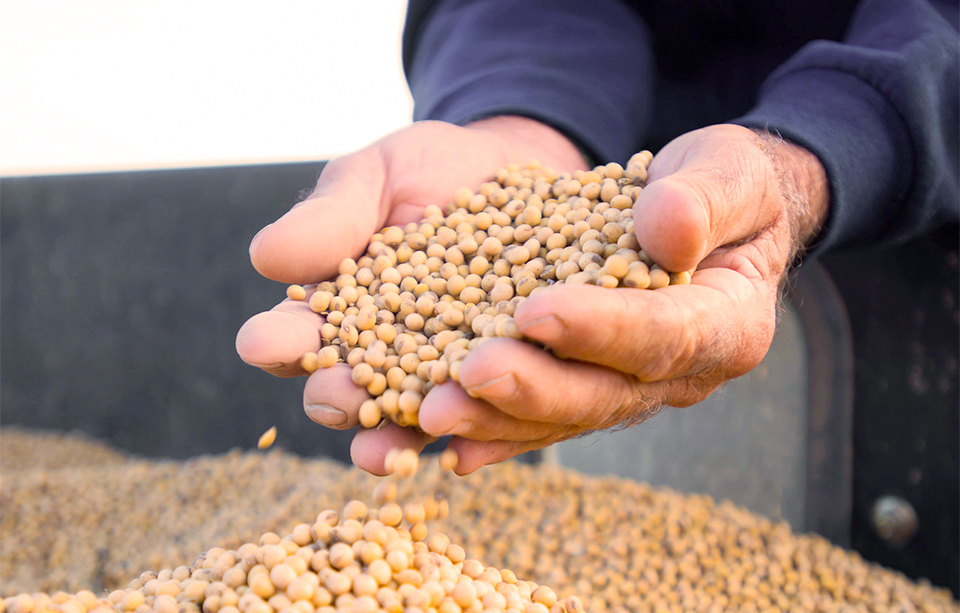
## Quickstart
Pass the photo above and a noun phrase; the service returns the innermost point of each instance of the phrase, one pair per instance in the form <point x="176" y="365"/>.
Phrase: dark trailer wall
<point x="121" y="298"/>
<point x="122" y="294"/>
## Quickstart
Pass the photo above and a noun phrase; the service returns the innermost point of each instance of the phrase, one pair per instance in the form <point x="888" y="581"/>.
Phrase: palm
<point x="387" y="183"/>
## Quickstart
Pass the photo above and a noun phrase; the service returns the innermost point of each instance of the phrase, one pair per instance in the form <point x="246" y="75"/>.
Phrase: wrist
<point x="803" y="186"/>
<point x="522" y="139"/>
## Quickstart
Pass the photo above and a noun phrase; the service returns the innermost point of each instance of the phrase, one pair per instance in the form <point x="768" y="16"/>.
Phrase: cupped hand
<point x="736" y="204"/>
<point x="387" y="183"/>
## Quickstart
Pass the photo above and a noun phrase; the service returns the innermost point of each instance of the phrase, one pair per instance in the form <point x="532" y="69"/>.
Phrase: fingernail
<point x="458" y="429"/>
<point x="271" y="367"/>
<point x="546" y="328"/>
<point x="326" y="415"/>
<point x="442" y="423"/>
<point x="499" y="388"/>
<point x="259" y="237"/>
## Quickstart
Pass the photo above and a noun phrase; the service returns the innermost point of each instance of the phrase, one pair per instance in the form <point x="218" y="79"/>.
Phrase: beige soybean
<point x="267" y="438"/>
<point x="483" y="254"/>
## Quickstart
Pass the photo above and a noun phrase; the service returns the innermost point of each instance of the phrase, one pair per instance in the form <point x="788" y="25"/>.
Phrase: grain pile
<point x="406" y="314"/>
<point x="51" y="450"/>
<point x="85" y="528"/>
<point x="616" y="544"/>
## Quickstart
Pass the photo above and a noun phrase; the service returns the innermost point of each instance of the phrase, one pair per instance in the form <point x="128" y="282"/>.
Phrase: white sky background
<point x="116" y="84"/>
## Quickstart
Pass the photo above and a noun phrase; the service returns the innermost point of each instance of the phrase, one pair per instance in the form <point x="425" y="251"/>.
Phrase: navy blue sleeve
<point x="880" y="110"/>
<point x="585" y="68"/>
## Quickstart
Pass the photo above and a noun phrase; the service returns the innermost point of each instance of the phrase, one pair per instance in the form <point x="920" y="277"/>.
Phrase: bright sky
<point x="116" y="84"/>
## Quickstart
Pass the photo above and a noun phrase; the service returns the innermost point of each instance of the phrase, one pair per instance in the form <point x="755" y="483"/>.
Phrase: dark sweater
<point x="870" y="87"/>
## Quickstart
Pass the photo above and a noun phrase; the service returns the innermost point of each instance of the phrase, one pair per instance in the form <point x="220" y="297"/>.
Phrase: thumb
<point x="335" y="222"/>
<point x="708" y="188"/>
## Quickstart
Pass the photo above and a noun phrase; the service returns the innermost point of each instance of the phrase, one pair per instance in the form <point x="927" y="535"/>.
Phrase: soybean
<point x="483" y="255"/>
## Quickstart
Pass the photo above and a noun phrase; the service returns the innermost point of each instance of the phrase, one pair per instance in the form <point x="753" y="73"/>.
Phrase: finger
<point x="370" y="446"/>
<point x="529" y="384"/>
<point x="448" y="410"/>
<point x="708" y="188"/>
<point x="473" y="455"/>
<point x="721" y="323"/>
<point x="388" y="183"/>
<point x="335" y="222"/>
<point x="277" y="339"/>
<point x="331" y="399"/>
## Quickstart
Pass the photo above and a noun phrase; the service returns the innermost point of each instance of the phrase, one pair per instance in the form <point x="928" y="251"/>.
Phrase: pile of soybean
<point x="406" y="314"/>
<point x="126" y="536"/>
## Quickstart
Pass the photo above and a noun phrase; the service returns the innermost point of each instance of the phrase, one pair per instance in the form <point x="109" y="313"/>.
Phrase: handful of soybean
<point x="405" y="315"/>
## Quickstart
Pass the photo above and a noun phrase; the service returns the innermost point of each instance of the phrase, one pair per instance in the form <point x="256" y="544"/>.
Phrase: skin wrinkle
<point x="758" y="217"/>
<point x="644" y="407"/>
<point x="475" y="426"/>
<point x="747" y="265"/>
<point x="631" y="398"/>
<point x="624" y="308"/>
<point x="637" y="399"/>
<point x="684" y="351"/>
<point x="728" y="183"/>
<point x="554" y="409"/>
<point x="757" y="336"/>
<point x="734" y="190"/>
<point x="685" y="348"/>
<point x="747" y="261"/>
<point x="730" y="186"/>
<point x="624" y="313"/>
<point x="748" y="335"/>
<point x="625" y="402"/>
<point x="705" y="336"/>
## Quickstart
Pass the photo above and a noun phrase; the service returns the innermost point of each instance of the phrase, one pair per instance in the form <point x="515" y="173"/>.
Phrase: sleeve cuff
<point x="583" y="68"/>
<point x="859" y="138"/>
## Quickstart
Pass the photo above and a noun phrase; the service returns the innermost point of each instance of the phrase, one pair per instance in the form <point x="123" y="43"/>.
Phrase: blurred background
<point x="106" y="84"/>
<point x="142" y="145"/>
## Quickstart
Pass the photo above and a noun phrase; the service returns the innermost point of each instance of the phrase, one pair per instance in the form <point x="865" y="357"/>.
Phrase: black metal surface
<point x="903" y="308"/>
<point x="121" y="297"/>
<point x="829" y="351"/>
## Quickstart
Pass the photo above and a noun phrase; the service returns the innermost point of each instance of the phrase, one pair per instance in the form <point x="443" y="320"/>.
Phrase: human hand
<point x="388" y="183"/>
<point x="735" y="204"/>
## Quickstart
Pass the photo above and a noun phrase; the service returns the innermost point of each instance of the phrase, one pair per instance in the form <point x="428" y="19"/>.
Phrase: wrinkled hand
<point x="736" y="205"/>
<point x="388" y="183"/>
